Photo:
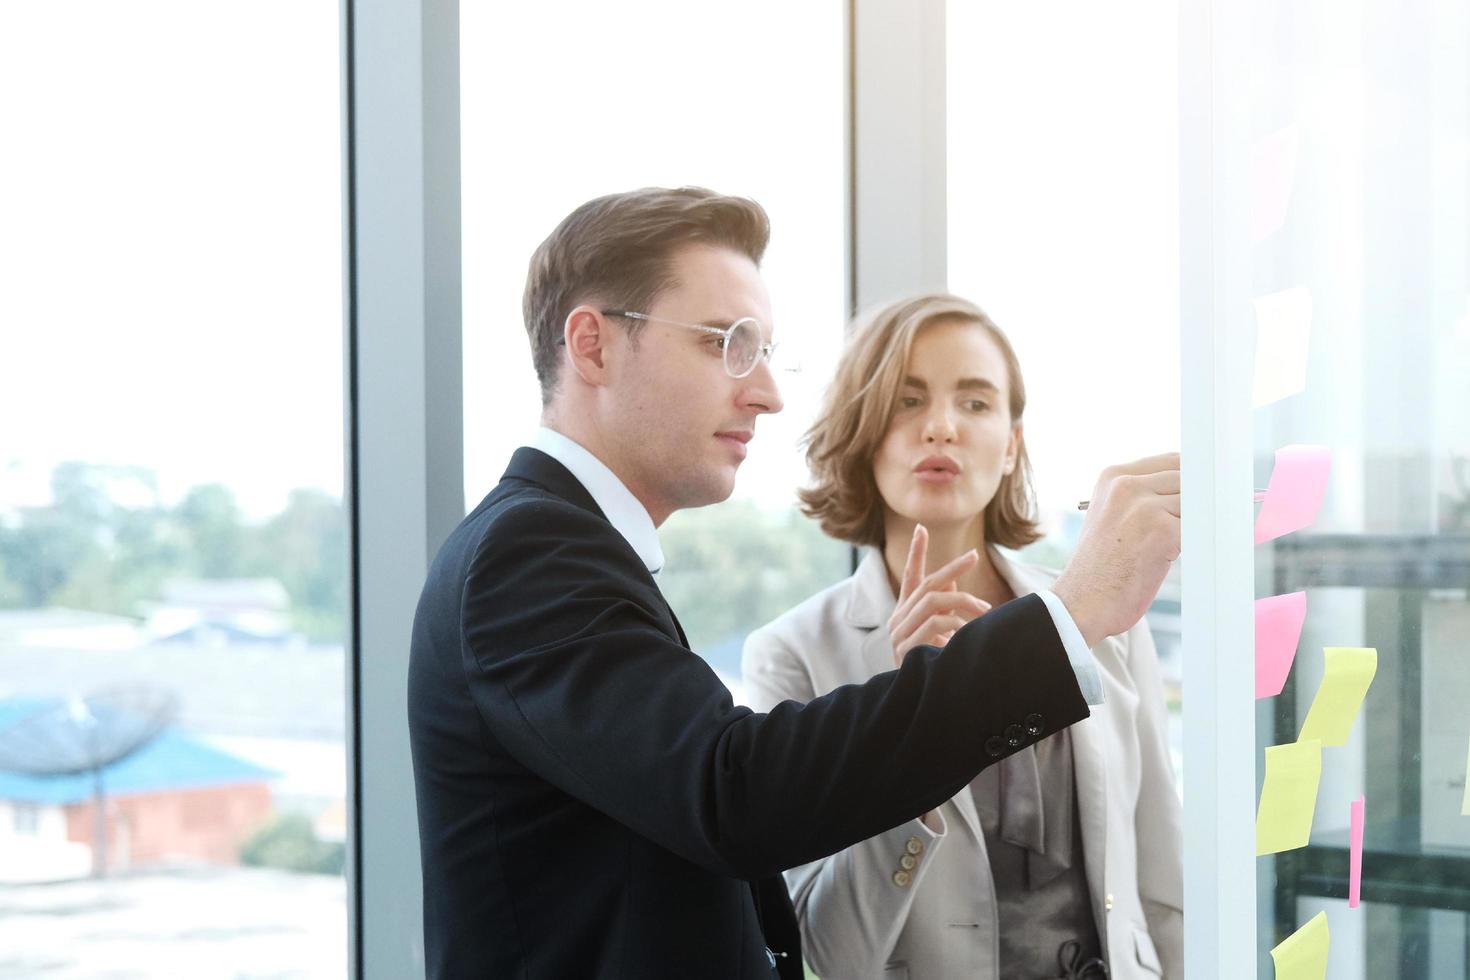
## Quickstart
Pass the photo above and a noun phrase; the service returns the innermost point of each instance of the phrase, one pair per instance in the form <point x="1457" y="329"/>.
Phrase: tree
<point x="10" y="594"/>
<point x="217" y="538"/>
<point x="43" y="551"/>
<point x="734" y="567"/>
<point x="87" y="550"/>
<point x="305" y="547"/>
<point x="290" y="843"/>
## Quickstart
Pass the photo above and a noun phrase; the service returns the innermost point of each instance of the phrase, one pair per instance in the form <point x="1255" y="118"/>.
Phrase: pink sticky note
<point x="1355" y="853"/>
<point x="1296" y="491"/>
<point x="1279" y="621"/>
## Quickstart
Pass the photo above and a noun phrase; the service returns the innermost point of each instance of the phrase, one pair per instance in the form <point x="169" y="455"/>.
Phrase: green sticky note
<point x="1289" y="796"/>
<point x="1303" y="954"/>
<point x="1344" y="685"/>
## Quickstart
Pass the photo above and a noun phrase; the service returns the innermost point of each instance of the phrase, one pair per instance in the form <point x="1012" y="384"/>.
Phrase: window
<point x="27" y="819"/>
<point x="173" y="556"/>
<point x="1063" y="219"/>
<point x="1358" y="285"/>
<point x="667" y="95"/>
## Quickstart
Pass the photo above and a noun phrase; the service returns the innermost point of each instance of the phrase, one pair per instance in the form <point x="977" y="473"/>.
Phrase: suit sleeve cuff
<point x="1083" y="664"/>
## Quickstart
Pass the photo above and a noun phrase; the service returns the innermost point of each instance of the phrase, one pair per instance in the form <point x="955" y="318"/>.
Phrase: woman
<point x="1063" y="860"/>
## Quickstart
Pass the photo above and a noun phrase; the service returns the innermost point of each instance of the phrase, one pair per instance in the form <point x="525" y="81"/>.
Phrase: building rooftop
<point x="173" y="760"/>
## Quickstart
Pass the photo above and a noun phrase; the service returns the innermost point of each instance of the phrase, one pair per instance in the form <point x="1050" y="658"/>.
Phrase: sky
<point x="171" y="292"/>
<point x="171" y="259"/>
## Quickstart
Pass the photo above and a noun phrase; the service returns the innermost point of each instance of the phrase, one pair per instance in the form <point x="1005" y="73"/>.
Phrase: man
<point x="591" y="804"/>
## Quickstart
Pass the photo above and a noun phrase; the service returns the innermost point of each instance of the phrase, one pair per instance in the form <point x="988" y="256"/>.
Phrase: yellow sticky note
<point x="1303" y="954"/>
<point x="1344" y="685"/>
<point x="1289" y="796"/>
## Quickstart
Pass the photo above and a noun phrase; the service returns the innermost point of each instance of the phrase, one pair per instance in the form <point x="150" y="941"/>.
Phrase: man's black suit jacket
<point x="590" y="801"/>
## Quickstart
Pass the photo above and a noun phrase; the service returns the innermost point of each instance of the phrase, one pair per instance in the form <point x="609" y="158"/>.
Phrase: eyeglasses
<point x="740" y="342"/>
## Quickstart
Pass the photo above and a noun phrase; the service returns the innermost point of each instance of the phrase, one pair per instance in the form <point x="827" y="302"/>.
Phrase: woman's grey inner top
<point x="1028" y="813"/>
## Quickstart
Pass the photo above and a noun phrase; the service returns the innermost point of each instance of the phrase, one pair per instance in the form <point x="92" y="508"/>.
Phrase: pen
<point x="1260" y="496"/>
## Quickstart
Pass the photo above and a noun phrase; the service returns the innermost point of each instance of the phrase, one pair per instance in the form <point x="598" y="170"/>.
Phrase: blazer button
<point x="1108" y="902"/>
<point x="914" y="846"/>
<point x="1034" y="725"/>
<point x="901" y="879"/>
<point x="1014" y="736"/>
<point x="907" y="862"/>
<point x="995" y="747"/>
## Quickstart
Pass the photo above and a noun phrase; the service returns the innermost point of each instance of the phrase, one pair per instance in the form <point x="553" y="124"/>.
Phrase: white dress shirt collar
<point x="622" y="509"/>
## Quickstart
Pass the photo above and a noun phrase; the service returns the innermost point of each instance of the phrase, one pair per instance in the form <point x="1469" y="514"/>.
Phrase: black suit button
<point x="1034" y="725"/>
<point x="1014" y="736"/>
<point x="995" y="747"/>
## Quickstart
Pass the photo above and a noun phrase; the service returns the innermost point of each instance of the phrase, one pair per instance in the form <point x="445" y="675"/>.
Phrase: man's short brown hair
<point x="842" y="442"/>
<point x="618" y="249"/>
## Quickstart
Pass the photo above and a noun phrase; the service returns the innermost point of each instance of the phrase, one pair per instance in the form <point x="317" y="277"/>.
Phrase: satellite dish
<point x="74" y="736"/>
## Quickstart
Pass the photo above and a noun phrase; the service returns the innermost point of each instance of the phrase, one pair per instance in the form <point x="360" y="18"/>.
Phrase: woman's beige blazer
<point x="860" y="918"/>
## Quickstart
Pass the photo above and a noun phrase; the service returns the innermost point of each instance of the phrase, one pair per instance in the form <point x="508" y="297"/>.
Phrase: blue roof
<point x="173" y="760"/>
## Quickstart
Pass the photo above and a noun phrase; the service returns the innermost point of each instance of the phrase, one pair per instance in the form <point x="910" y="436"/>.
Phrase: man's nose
<point x="760" y="392"/>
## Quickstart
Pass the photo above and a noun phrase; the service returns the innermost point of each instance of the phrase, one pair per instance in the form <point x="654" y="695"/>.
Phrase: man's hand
<point x="1129" y="540"/>
<point x="931" y="607"/>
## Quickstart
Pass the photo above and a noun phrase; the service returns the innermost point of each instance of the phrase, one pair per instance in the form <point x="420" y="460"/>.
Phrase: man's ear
<point x="586" y="334"/>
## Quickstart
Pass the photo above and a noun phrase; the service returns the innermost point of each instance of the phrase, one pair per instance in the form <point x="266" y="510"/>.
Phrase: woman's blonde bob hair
<point x="842" y="442"/>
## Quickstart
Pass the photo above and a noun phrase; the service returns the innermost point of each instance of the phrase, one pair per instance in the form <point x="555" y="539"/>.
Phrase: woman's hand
<point x="931" y="607"/>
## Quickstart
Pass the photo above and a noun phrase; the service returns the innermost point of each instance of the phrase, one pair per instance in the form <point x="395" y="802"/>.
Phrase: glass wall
<point x="173" y="555"/>
<point x="664" y="93"/>
<point x="1360" y="275"/>
<point x="1063" y="179"/>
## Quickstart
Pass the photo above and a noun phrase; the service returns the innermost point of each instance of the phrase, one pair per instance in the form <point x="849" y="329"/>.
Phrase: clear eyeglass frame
<point x="742" y="348"/>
